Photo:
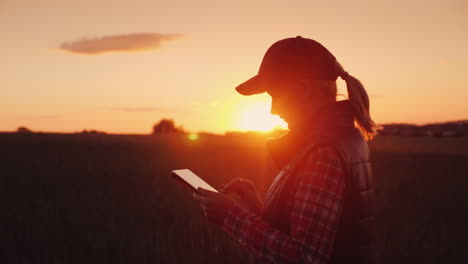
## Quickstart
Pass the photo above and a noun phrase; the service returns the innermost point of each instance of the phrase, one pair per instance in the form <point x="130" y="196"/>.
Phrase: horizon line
<point x="206" y="131"/>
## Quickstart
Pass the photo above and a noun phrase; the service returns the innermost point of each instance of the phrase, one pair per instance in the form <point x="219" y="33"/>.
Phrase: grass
<point x="109" y="198"/>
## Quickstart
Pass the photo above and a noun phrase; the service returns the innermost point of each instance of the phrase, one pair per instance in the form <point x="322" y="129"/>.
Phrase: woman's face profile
<point x="286" y="101"/>
<point x="294" y="100"/>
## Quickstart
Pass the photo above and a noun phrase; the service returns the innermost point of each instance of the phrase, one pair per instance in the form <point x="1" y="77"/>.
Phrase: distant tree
<point x="93" y="132"/>
<point x="24" y="130"/>
<point x="166" y="126"/>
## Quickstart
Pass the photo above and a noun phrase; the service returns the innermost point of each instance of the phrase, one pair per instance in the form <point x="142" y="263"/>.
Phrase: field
<point x="109" y="198"/>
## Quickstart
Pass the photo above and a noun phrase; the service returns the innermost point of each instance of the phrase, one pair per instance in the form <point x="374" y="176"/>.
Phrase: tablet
<point x="191" y="180"/>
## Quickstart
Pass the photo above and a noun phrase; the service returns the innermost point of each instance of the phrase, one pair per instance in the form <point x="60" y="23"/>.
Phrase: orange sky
<point x="120" y="66"/>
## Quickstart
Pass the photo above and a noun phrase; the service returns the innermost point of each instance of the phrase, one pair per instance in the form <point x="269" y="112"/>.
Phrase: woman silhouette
<point x="319" y="209"/>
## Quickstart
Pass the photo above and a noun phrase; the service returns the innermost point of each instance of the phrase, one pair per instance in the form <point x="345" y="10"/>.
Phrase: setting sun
<point x="257" y="116"/>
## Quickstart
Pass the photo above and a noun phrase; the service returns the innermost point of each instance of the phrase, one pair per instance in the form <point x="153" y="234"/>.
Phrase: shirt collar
<point x="331" y="121"/>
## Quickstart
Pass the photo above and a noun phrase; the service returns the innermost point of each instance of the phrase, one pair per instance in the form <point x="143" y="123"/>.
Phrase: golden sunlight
<point x="193" y="136"/>
<point x="257" y="117"/>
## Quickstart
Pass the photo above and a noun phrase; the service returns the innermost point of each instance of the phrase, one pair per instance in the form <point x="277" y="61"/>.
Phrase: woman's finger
<point x="233" y="182"/>
<point x="222" y="188"/>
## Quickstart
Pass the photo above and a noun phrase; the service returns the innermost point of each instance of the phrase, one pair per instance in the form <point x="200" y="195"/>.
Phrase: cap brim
<point x="252" y="86"/>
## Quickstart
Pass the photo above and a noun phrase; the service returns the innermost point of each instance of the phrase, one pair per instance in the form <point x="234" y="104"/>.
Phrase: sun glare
<point x="257" y="117"/>
<point x="193" y="136"/>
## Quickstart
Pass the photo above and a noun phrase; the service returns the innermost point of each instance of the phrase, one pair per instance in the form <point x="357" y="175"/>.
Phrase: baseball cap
<point x="291" y="58"/>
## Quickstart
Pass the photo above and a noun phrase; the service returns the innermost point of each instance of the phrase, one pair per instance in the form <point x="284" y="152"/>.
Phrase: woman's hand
<point x="214" y="205"/>
<point x="244" y="192"/>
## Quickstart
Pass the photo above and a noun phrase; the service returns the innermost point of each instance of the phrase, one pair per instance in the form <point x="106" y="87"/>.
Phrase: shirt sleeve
<point x="314" y="220"/>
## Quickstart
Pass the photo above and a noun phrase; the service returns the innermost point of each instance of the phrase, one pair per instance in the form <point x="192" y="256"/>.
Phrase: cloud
<point x="138" y="109"/>
<point x="118" y="43"/>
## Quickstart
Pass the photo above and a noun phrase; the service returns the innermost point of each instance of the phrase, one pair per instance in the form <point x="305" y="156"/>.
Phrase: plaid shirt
<point x="314" y="220"/>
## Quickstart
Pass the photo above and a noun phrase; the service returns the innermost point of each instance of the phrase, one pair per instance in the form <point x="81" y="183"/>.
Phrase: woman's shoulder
<point x="322" y="154"/>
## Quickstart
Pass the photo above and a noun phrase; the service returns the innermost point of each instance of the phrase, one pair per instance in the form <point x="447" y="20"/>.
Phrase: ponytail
<point x="359" y="101"/>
